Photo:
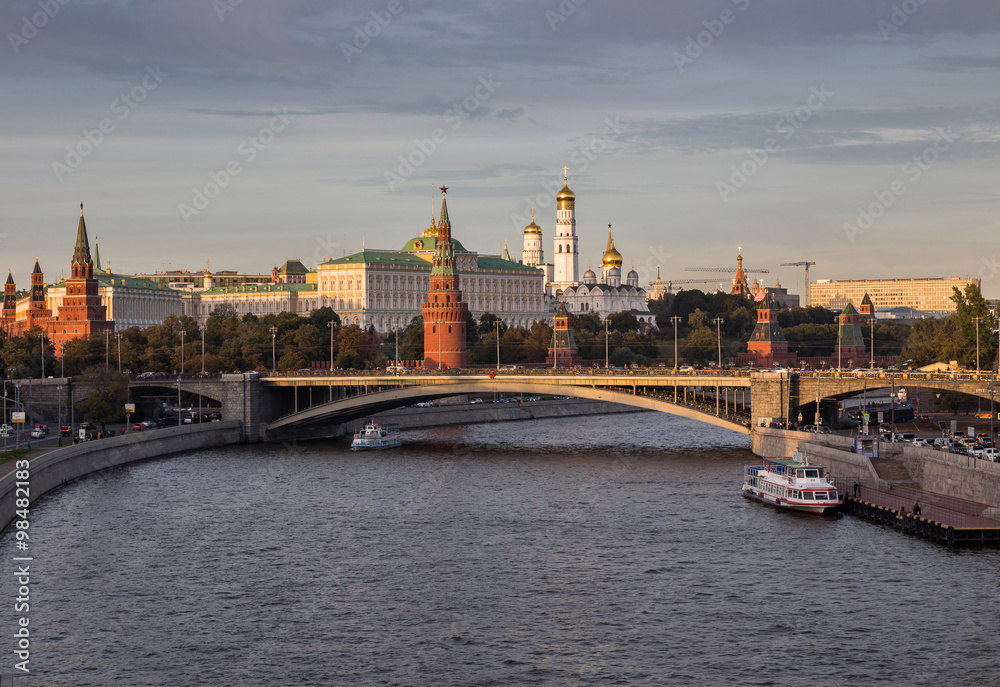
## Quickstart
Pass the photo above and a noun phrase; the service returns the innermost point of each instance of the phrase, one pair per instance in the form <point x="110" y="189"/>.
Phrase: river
<point x="578" y="551"/>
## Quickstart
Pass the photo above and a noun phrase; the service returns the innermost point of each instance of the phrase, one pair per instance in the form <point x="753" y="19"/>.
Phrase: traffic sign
<point x="129" y="407"/>
<point x="17" y="417"/>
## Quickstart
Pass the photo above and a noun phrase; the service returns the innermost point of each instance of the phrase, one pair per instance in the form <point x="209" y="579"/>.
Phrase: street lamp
<point x="718" y="331"/>
<point x="675" y="319"/>
<point x="43" y="354"/>
<point x="274" y="359"/>
<point x="497" y="323"/>
<point x="977" y="344"/>
<point x="331" y="325"/>
<point x="606" y="357"/>
<point x="202" y="372"/>
<point x="871" y="364"/>
<point x="118" y="335"/>
<point x="182" y="350"/>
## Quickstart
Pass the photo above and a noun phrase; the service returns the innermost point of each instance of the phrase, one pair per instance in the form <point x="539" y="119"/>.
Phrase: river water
<point x="579" y="551"/>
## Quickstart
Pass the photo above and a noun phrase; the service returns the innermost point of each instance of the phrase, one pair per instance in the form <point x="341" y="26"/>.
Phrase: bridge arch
<point x="358" y="407"/>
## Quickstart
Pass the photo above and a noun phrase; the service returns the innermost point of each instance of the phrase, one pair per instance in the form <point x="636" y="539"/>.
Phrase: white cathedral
<point x="562" y="276"/>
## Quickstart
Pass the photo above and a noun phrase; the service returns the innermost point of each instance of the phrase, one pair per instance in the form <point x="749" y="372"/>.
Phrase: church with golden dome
<point x="606" y="297"/>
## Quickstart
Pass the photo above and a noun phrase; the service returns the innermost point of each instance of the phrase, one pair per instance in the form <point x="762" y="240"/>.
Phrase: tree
<point x="700" y="346"/>
<point x="106" y="403"/>
<point x="623" y="321"/>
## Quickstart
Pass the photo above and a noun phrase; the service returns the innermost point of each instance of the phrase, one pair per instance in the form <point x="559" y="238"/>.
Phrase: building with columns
<point x="386" y="288"/>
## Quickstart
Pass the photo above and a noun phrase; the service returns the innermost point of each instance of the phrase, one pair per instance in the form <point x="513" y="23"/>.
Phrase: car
<point x="148" y="424"/>
<point x="425" y="404"/>
<point x="924" y="418"/>
<point x="475" y="401"/>
<point x="823" y="430"/>
<point x="37" y="434"/>
<point x="922" y="442"/>
<point x="991" y="454"/>
<point x="137" y="427"/>
<point x="499" y="400"/>
<point x="65" y="431"/>
<point x="86" y="425"/>
<point x="984" y="416"/>
<point x="808" y="428"/>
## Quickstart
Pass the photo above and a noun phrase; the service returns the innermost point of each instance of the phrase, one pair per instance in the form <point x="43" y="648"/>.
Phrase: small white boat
<point x="791" y="484"/>
<point x="374" y="437"/>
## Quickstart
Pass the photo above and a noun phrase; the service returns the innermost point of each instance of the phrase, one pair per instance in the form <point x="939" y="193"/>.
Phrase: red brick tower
<point x="36" y="306"/>
<point x="444" y="311"/>
<point x="81" y="313"/>
<point x="563" y="350"/>
<point x="767" y="340"/>
<point x="9" y="303"/>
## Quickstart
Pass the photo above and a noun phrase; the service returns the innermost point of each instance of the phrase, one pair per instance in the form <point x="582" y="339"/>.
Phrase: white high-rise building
<point x="567" y="253"/>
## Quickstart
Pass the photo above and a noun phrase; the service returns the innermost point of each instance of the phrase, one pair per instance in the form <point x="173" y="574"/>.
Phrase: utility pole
<point x="497" y="323"/>
<point x="274" y="358"/>
<point x="675" y="319"/>
<point x="606" y="357"/>
<point x="118" y="335"/>
<point x="718" y="330"/>
<point x="330" y="325"/>
<point x="43" y="354"/>
<point x="977" y="344"/>
<point x="871" y="365"/>
<point x="202" y="372"/>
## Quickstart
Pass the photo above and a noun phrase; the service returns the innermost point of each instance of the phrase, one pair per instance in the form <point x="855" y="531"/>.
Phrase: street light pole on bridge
<point x="718" y="331"/>
<point x="675" y="319"/>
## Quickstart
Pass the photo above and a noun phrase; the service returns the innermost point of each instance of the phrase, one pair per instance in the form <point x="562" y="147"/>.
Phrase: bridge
<point x="276" y="405"/>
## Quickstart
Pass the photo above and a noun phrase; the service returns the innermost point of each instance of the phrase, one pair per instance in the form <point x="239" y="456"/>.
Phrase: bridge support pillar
<point x="770" y="398"/>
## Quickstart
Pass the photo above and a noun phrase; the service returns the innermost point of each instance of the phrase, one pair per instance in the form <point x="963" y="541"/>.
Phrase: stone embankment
<point x="52" y="469"/>
<point x="931" y="470"/>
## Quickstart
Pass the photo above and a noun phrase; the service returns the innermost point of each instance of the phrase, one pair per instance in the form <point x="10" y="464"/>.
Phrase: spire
<point x="38" y="269"/>
<point x="444" y="221"/>
<point x="10" y="277"/>
<point x="97" y="256"/>
<point x="81" y="253"/>
<point x="506" y="255"/>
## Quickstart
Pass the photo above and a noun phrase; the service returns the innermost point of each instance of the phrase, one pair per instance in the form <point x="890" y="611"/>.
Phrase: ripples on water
<point x="582" y="551"/>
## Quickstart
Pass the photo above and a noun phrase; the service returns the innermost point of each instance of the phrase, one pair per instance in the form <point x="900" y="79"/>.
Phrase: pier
<point x="942" y="518"/>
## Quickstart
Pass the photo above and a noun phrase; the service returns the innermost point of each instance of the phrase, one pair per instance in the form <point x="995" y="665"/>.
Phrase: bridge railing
<point x="547" y="372"/>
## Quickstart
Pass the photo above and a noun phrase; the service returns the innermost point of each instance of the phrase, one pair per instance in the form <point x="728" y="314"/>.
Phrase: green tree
<point x="106" y="403"/>
<point x="700" y="346"/>
<point x="623" y="321"/>
<point x="411" y="344"/>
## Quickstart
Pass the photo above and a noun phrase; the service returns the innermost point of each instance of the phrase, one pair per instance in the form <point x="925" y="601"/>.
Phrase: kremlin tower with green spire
<point x="444" y="311"/>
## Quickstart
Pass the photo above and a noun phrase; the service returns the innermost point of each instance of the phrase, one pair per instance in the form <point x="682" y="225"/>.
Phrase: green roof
<point x="375" y="257"/>
<point x="849" y="310"/>
<point x="105" y="279"/>
<point x="429" y="244"/>
<point x="256" y="288"/>
<point x="491" y="263"/>
<point x="293" y="267"/>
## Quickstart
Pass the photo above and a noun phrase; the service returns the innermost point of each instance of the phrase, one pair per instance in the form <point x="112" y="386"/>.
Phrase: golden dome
<point x="533" y="228"/>
<point x="565" y="195"/>
<point x="611" y="257"/>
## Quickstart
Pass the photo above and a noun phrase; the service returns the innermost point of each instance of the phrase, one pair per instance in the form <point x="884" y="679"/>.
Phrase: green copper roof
<point x="849" y="310"/>
<point x="106" y="279"/>
<point x="257" y="288"/>
<point x="373" y="257"/>
<point x="429" y="244"/>
<point x="293" y="267"/>
<point x="81" y="253"/>
<point x="491" y="263"/>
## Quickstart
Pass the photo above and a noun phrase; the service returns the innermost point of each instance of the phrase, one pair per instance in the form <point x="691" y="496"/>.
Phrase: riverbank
<point x="53" y="468"/>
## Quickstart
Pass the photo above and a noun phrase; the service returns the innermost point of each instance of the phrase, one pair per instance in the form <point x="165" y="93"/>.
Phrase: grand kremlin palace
<point x="385" y="288"/>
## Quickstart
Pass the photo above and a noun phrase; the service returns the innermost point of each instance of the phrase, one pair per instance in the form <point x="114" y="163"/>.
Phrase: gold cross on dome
<point x="565" y="173"/>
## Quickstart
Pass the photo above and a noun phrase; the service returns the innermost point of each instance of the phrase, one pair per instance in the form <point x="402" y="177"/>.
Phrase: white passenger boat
<point x="373" y="437"/>
<point x="791" y="484"/>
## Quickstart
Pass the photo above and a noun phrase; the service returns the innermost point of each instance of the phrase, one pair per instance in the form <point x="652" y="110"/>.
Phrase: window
<point x="449" y="329"/>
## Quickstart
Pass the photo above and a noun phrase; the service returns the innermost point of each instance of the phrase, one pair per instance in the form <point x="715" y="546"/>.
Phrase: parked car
<point x="86" y="425"/>
<point x="425" y="404"/>
<point x="991" y="454"/>
<point x="922" y="442"/>
<point x="148" y="424"/>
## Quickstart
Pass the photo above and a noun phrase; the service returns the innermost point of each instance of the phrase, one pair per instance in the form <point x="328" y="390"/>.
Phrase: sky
<point x="861" y="135"/>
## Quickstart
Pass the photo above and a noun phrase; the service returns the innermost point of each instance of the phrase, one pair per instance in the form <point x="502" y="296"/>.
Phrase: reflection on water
<point x="579" y="551"/>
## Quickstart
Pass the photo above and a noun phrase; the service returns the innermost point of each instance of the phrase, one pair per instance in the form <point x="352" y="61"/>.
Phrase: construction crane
<point x="671" y="282"/>
<point x="807" y="265"/>
<point x="725" y="270"/>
